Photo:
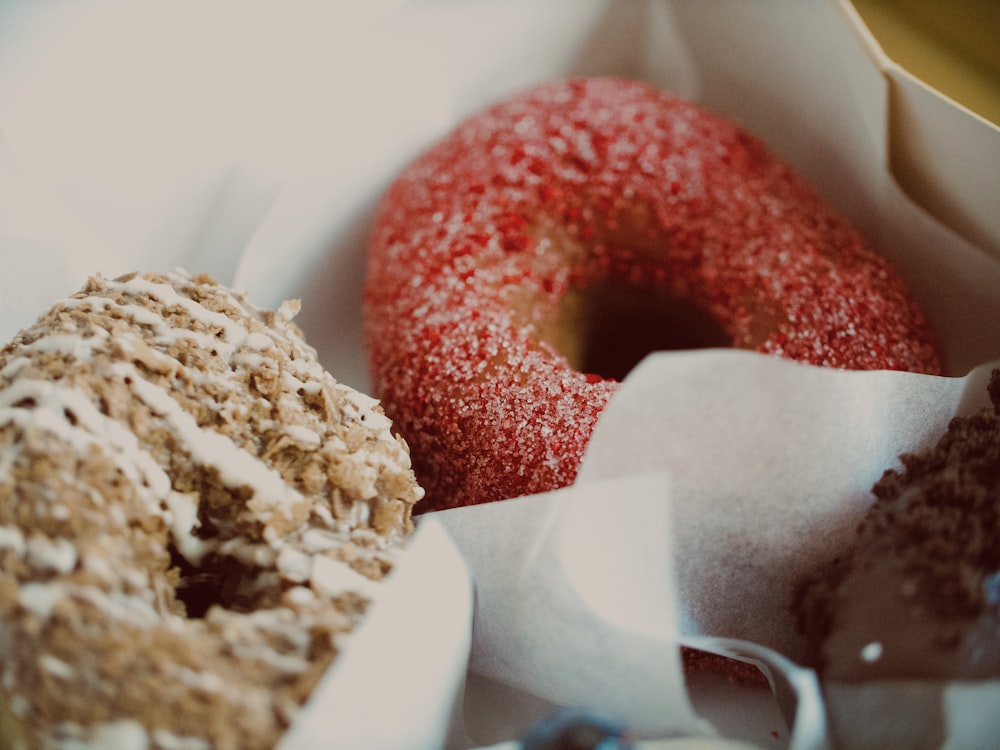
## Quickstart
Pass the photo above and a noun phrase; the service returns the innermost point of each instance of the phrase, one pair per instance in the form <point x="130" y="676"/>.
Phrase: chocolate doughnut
<point x="910" y="611"/>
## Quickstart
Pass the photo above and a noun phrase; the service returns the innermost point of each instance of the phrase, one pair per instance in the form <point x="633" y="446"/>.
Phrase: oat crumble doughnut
<point x="194" y="516"/>
<point x="523" y="264"/>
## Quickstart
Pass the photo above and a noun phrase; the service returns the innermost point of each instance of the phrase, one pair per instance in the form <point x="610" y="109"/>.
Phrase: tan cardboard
<point x="942" y="153"/>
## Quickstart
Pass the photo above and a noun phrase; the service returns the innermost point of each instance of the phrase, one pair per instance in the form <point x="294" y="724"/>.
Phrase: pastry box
<point x="251" y="141"/>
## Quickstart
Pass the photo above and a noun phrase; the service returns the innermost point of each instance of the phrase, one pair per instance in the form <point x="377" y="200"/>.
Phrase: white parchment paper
<point x="575" y="599"/>
<point x="772" y="463"/>
<point x="760" y="467"/>
<point x="251" y="142"/>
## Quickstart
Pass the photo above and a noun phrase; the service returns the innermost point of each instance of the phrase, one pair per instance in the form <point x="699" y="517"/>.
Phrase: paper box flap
<point x="958" y="186"/>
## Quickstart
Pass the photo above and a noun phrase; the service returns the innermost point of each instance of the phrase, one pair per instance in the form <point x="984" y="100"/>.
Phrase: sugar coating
<point x="477" y="242"/>
<point x="194" y="516"/>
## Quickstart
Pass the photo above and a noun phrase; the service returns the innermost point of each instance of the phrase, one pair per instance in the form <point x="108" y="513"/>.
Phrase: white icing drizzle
<point x="279" y="637"/>
<point x="236" y="467"/>
<point x="162" y="334"/>
<point x="251" y="554"/>
<point x="207" y="681"/>
<point x="42" y="598"/>
<point x="293" y="565"/>
<point x="54" y="410"/>
<point x="19" y="705"/>
<point x="301" y="596"/>
<point x="170" y="741"/>
<point x="68" y="344"/>
<point x="56" y="666"/>
<point x="99" y="566"/>
<point x="289" y="663"/>
<point x="332" y="577"/>
<point x="282" y="622"/>
<point x="258" y="342"/>
<point x="53" y="405"/>
<point x="55" y="555"/>
<point x="8" y="457"/>
<point x="134" y="313"/>
<point x="137" y="286"/>
<point x="125" y="734"/>
<point x="12" y="538"/>
<point x="182" y="517"/>
<point x="304" y="436"/>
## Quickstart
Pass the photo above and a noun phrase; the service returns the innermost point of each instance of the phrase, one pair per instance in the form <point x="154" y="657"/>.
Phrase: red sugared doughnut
<point x="521" y="266"/>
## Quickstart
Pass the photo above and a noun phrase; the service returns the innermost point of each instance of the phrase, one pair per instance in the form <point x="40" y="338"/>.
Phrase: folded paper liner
<point x="763" y="465"/>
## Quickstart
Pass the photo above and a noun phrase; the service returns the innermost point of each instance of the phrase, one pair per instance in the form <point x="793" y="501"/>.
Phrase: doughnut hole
<point x="218" y="580"/>
<point x="198" y="588"/>
<point x="606" y="328"/>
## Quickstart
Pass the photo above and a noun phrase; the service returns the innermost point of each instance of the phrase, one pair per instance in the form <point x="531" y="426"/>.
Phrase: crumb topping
<point x="193" y="516"/>
<point x="918" y="595"/>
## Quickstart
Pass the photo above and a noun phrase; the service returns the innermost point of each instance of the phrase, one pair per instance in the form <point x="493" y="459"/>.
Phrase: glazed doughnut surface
<point x="520" y="267"/>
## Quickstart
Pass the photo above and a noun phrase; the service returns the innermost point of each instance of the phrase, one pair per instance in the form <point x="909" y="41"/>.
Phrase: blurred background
<point x="953" y="45"/>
